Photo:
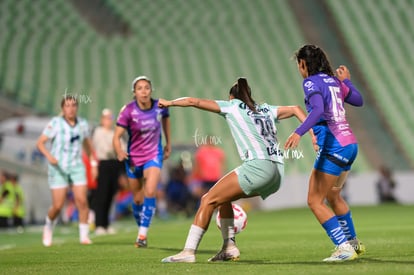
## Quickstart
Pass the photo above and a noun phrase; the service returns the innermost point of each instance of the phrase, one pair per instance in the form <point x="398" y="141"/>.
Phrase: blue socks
<point x="334" y="231"/>
<point x="347" y="225"/>
<point x="136" y="211"/>
<point x="143" y="214"/>
<point x="148" y="211"/>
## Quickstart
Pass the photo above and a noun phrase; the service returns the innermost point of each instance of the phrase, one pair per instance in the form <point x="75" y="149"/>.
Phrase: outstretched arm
<point x="203" y="104"/>
<point x="289" y="111"/>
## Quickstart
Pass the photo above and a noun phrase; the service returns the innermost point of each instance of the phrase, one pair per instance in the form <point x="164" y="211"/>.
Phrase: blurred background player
<point x="143" y="120"/>
<point x="386" y="185"/>
<point x="325" y="96"/>
<point x="109" y="171"/>
<point x="6" y="199"/>
<point x="209" y="165"/>
<point x="68" y="134"/>
<point x="177" y="192"/>
<point x="123" y="199"/>
<point x="18" y="207"/>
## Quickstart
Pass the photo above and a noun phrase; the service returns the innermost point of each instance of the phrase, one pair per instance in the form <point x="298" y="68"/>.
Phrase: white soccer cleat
<point x="182" y="257"/>
<point x="100" y="231"/>
<point x="47" y="236"/>
<point x="226" y="254"/>
<point x="344" y="252"/>
<point x="86" y="241"/>
<point x="358" y="246"/>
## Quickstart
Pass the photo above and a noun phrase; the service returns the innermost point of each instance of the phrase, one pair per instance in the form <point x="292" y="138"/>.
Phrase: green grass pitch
<point x="274" y="242"/>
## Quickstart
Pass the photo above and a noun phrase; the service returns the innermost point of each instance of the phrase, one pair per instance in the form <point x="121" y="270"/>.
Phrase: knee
<point x="57" y="207"/>
<point x="138" y="198"/>
<point x="207" y="201"/>
<point x="150" y="193"/>
<point x="82" y="203"/>
<point x="310" y="203"/>
<point x="334" y="199"/>
<point x="314" y="203"/>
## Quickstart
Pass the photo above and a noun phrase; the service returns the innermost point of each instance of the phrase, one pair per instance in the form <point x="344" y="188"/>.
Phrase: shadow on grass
<point x="357" y="261"/>
<point x="178" y="249"/>
<point x="362" y="260"/>
<point x="386" y="261"/>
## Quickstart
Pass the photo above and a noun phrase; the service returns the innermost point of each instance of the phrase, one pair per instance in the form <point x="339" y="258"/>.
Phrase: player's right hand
<point x="162" y="103"/>
<point x="52" y="160"/>
<point x="292" y="142"/>
<point x="121" y="156"/>
<point x="343" y="73"/>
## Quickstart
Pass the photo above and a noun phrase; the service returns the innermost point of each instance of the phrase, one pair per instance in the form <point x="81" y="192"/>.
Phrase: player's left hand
<point x="343" y="73"/>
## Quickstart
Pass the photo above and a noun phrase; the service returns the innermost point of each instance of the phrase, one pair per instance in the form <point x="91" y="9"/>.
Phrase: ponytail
<point x="241" y="90"/>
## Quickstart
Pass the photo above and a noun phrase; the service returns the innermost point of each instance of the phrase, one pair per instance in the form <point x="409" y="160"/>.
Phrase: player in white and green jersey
<point x="66" y="147"/>
<point x="68" y="133"/>
<point x="254" y="132"/>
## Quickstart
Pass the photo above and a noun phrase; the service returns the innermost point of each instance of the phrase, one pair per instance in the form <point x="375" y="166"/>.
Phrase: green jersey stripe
<point x="66" y="145"/>
<point x="254" y="132"/>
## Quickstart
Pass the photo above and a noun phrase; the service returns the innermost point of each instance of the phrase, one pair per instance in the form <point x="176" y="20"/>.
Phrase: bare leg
<point x="225" y="190"/>
<point x="222" y="194"/>
<point x="152" y="178"/>
<point x="319" y="185"/>
<point x="58" y="200"/>
<point x="136" y="187"/>
<point x="336" y="201"/>
<point x="81" y="201"/>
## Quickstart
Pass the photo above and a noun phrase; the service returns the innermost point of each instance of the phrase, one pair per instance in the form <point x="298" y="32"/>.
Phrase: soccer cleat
<point x="86" y="241"/>
<point x="358" y="246"/>
<point x="100" y="231"/>
<point x="111" y="231"/>
<point x="141" y="243"/>
<point x="47" y="236"/>
<point x="226" y="254"/>
<point x="344" y="252"/>
<point x="182" y="257"/>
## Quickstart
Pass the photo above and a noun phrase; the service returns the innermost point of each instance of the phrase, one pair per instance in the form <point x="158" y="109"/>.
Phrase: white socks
<point x="49" y="223"/>
<point x="227" y="232"/>
<point x="83" y="231"/>
<point x="142" y="232"/>
<point x="194" y="237"/>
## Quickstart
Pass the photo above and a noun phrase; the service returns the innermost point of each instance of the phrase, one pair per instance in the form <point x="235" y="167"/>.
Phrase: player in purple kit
<point x="325" y="96"/>
<point x="142" y="119"/>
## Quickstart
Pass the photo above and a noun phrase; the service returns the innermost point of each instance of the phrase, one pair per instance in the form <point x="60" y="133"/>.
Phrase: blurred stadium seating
<point x="193" y="48"/>
<point x="380" y="35"/>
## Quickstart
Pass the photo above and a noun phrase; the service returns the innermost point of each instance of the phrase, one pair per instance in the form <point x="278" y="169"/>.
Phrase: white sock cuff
<point x="227" y="228"/>
<point x="194" y="237"/>
<point x="50" y="222"/>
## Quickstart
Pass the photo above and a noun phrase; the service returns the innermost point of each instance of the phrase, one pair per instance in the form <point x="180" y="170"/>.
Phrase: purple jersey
<point x="333" y="93"/>
<point x="144" y="130"/>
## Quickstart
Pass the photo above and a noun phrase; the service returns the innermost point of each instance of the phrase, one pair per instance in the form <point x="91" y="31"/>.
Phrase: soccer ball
<point x="240" y="218"/>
